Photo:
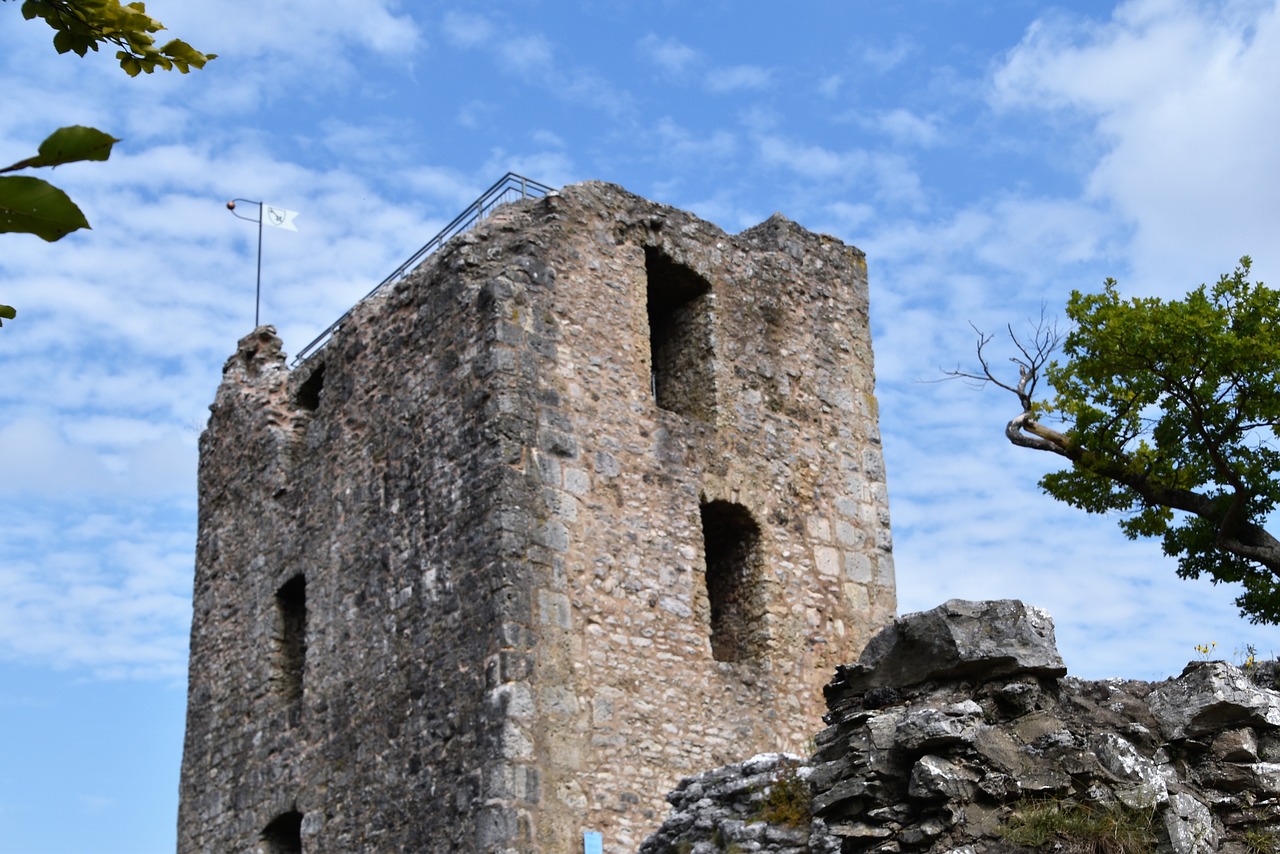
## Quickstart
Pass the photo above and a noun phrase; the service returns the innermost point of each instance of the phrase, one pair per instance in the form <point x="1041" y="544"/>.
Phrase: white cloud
<point x="673" y="57"/>
<point x="737" y="78"/>
<point x="906" y="127"/>
<point x="883" y="175"/>
<point x="812" y="161"/>
<point x="553" y="168"/>
<point x="678" y="61"/>
<point x="105" y="457"/>
<point x="1178" y="94"/>
<point x="883" y="58"/>
<point x="477" y="114"/>
<point x="531" y="56"/>
<point x="296" y="30"/>
<point x="465" y="29"/>
<point x="110" y="594"/>
<point x="447" y="185"/>
<point x="527" y="54"/>
<point x="679" y="143"/>
<point x="550" y="138"/>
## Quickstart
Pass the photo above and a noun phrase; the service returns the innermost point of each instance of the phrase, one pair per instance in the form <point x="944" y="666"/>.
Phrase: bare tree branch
<point x="1023" y="430"/>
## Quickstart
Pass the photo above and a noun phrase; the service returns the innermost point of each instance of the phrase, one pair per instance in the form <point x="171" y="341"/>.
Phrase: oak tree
<point x="1169" y="411"/>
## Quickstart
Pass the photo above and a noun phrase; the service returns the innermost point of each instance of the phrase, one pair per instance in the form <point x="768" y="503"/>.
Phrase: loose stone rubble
<point x="722" y="810"/>
<point x="957" y="719"/>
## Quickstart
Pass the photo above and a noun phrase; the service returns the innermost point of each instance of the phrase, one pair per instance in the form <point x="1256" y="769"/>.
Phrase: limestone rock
<point x="937" y="764"/>
<point x="956" y="640"/>
<point x="723" y="809"/>
<point x="1190" y="826"/>
<point x="1209" y="696"/>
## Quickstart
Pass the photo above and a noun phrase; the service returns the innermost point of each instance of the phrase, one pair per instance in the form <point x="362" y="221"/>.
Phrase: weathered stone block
<point x="957" y="639"/>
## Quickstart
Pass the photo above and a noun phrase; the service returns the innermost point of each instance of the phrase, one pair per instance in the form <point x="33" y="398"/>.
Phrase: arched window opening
<point x="734" y="582"/>
<point x="291" y="637"/>
<point x="284" y="834"/>
<point x="679" y="307"/>
<point x="308" y="396"/>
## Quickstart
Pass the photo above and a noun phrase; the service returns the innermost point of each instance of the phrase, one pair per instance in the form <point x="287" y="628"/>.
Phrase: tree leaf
<point x="8" y="312"/>
<point x="69" y="145"/>
<point x="32" y="206"/>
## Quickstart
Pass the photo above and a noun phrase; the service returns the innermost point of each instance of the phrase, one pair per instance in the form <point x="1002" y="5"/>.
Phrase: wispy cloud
<point x="531" y="56"/>
<point x="880" y="174"/>
<point x="465" y="29"/>
<point x="671" y="56"/>
<point x="883" y="58"/>
<point x="109" y="592"/>
<point x="738" y="78"/>
<point x="679" y="62"/>
<point x="907" y="128"/>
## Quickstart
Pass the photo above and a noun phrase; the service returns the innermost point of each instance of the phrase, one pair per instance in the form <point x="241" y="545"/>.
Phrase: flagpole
<point x="257" y="291"/>
<point x="280" y="218"/>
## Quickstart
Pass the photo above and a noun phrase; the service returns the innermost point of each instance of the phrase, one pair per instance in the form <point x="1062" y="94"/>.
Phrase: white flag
<point x="279" y="217"/>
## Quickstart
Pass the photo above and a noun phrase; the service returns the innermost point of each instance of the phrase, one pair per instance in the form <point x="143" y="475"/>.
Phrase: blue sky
<point x="988" y="155"/>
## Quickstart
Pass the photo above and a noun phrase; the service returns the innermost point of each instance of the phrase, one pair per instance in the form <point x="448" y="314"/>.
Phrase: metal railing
<point x="509" y="188"/>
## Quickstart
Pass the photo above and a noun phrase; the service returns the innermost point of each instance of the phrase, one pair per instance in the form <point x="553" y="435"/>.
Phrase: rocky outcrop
<point x="738" y="807"/>
<point x="958" y="726"/>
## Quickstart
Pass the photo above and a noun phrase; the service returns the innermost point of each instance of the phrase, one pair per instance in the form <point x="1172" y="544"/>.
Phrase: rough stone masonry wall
<point x="508" y="626"/>
<point x="792" y="439"/>
<point x="381" y="491"/>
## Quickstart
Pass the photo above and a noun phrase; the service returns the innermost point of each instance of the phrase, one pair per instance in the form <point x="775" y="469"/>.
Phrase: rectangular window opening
<point x="291" y="637"/>
<point x="735" y="592"/>
<point x="680" y="352"/>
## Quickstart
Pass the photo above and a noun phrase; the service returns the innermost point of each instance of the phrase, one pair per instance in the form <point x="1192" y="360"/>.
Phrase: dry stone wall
<point x="590" y="501"/>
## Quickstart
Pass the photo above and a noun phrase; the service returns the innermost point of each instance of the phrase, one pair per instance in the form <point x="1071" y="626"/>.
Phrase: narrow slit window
<point x="734" y="582"/>
<point x="308" y="396"/>
<point x="679" y="306"/>
<point x="291" y="637"/>
<point x="284" y="834"/>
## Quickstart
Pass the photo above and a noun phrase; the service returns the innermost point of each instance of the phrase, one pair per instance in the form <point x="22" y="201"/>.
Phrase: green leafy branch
<point x="1172" y="419"/>
<point x="33" y="205"/>
<point x="82" y="25"/>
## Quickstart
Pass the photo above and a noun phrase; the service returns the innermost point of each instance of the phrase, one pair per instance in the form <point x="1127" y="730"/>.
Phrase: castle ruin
<point x="592" y="500"/>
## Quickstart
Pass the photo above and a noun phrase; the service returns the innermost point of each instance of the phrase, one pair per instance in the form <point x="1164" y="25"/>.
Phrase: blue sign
<point x="592" y="842"/>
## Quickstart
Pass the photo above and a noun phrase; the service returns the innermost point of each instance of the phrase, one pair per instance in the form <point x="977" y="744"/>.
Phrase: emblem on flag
<point x="279" y="217"/>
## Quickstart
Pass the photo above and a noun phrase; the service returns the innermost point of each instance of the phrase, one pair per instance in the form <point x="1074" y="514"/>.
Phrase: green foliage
<point x="1172" y="410"/>
<point x="34" y="206"/>
<point x="1082" y="827"/>
<point x="80" y="26"/>
<point x="1261" y="841"/>
<point x="1177" y="400"/>
<point x="787" y="801"/>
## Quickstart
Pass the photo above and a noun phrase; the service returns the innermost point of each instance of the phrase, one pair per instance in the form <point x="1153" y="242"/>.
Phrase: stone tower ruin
<point x="592" y="500"/>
